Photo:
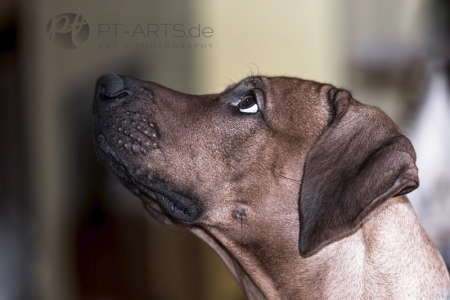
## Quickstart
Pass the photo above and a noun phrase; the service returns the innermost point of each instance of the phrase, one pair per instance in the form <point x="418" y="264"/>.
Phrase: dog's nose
<point x="110" y="86"/>
<point x="110" y="90"/>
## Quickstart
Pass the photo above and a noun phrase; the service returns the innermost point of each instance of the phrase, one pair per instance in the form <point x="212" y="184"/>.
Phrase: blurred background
<point x="69" y="230"/>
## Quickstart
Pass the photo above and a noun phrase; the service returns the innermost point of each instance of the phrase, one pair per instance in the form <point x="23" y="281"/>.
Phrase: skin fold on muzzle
<point x="296" y="185"/>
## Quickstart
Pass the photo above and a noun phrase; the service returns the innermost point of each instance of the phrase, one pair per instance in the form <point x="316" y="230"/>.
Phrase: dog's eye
<point x="248" y="105"/>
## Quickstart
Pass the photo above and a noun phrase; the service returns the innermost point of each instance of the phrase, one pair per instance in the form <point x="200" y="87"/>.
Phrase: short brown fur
<point x="292" y="214"/>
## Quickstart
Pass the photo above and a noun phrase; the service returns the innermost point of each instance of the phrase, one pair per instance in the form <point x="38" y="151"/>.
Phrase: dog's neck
<point x="377" y="259"/>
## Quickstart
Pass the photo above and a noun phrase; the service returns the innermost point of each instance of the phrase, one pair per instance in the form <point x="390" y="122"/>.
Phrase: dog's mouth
<point x="180" y="206"/>
<point x="183" y="209"/>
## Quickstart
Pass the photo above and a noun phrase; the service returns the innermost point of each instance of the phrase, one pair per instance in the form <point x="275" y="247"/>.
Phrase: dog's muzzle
<point x="122" y="124"/>
<point x="124" y="135"/>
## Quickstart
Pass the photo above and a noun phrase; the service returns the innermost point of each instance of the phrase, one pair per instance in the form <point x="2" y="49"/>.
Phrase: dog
<point x="297" y="186"/>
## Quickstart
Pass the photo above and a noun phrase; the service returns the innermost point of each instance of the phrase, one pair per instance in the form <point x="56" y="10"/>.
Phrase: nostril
<point x="121" y="94"/>
<point x="111" y="86"/>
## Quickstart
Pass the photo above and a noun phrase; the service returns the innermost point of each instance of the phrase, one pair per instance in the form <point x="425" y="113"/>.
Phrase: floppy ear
<point x="359" y="161"/>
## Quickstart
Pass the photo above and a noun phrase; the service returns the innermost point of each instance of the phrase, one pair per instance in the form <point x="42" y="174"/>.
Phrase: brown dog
<point x="296" y="185"/>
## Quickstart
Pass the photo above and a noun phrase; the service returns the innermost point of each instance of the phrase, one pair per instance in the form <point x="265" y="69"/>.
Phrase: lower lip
<point x="183" y="210"/>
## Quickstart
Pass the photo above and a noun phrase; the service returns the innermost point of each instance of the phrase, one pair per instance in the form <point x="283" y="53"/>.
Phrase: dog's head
<point x="207" y="160"/>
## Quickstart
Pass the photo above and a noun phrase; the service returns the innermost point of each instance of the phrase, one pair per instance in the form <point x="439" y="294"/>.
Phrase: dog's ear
<point x="358" y="162"/>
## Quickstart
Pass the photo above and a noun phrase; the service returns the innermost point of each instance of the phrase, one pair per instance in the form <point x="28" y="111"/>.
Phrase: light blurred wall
<point x="286" y="38"/>
<point x="346" y="43"/>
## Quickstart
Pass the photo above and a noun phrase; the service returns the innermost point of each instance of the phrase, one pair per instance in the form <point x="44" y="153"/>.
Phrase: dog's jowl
<point x="315" y="178"/>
